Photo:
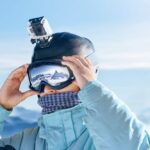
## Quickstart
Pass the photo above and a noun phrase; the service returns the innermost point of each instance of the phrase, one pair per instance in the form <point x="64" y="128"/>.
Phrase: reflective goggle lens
<point x="53" y="75"/>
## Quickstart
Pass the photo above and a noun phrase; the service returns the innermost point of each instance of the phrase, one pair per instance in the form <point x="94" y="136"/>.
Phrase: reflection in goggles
<point x="53" y="75"/>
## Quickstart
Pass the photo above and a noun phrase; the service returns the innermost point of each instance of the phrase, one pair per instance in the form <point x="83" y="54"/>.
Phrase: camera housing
<point x="39" y="31"/>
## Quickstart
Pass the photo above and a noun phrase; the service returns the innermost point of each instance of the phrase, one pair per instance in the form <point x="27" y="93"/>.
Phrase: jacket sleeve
<point x="111" y="124"/>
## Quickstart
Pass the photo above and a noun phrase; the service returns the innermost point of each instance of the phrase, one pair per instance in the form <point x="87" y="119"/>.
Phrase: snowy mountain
<point x="21" y="118"/>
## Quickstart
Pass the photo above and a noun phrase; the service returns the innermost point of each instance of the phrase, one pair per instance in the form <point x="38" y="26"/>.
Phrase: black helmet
<point x="63" y="44"/>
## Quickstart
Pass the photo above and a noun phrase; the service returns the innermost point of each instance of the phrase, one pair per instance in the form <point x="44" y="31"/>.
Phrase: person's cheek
<point x="73" y="87"/>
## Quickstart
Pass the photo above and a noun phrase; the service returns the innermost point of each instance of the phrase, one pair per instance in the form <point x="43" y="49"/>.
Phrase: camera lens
<point x="39" y="30"/>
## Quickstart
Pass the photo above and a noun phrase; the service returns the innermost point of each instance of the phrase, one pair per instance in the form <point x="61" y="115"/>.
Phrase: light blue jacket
<point x="101" y="122"/>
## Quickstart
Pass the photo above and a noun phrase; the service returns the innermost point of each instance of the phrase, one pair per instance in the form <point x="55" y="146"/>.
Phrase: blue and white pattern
<point x="53" y="102"/>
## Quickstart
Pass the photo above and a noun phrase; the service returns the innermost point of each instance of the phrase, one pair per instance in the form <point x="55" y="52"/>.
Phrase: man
<point x="92" y="119"/>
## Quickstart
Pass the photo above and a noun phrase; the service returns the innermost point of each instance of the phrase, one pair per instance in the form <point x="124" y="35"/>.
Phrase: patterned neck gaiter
<point x="53" y="102"/>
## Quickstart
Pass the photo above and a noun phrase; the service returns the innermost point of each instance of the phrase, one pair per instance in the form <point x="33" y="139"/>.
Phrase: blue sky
<point x="119" y="29"/>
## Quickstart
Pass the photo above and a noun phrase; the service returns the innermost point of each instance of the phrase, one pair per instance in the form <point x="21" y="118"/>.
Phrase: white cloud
<point x="124" y="46"/>
<point x="14" y="53"/>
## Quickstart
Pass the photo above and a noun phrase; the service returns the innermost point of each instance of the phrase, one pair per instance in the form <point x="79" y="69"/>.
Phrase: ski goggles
<point x="51" y="73"/>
